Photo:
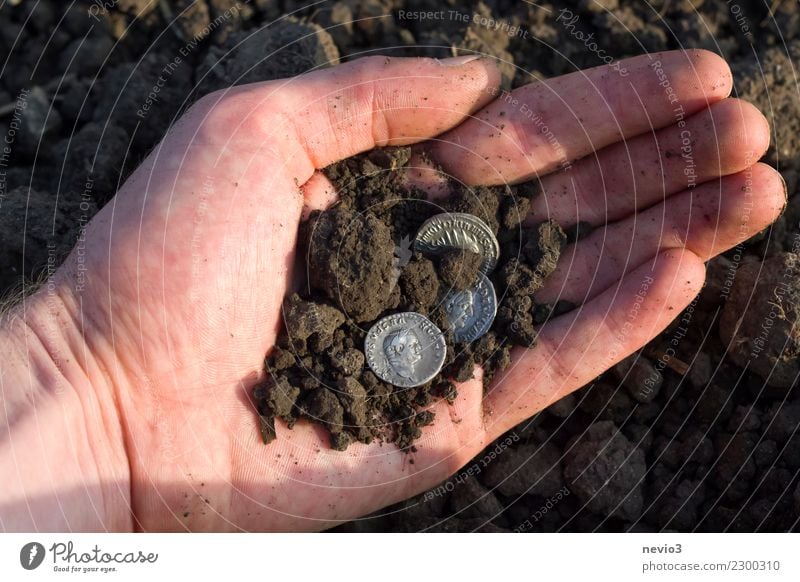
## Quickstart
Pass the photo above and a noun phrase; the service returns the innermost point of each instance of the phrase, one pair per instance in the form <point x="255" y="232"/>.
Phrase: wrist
<point x="62" y="452"/>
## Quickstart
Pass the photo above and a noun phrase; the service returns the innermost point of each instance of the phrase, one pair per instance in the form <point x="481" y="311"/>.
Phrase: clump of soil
<point x="350" y="260"/>
<point x="361" y="267"/>
<point x="459" y="268"/>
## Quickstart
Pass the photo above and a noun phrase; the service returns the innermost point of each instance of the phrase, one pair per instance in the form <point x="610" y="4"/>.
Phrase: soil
<point x="768" y="339"/>
<point x="361" y="267"/>
<point x="720" y="445"/>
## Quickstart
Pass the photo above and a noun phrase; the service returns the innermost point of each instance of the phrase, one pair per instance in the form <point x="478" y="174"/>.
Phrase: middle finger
<point x="620" y="179"/>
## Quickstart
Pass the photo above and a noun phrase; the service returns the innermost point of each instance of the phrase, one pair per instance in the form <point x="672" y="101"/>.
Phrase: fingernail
<point x="458" y="61"/>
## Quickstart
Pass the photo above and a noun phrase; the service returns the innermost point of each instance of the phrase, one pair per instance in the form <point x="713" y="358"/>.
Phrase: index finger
<point x="545" y="125"/>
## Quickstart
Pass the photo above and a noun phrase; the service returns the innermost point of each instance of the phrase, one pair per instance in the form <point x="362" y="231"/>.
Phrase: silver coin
<point x="405" y="349"/>
<point x="458" y="230"/>
<point x="470" y="313"/>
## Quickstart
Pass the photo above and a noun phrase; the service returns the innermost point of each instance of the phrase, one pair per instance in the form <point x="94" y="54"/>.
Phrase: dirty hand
<point x="128" y="375"/>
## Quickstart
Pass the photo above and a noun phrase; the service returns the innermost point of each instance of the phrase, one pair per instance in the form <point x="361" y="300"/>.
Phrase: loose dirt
<point x="362" y="267"/>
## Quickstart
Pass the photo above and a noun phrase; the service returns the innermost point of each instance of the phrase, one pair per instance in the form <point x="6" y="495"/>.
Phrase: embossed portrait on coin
<point x="460" y="308"/>
<point x="403" y="351"/>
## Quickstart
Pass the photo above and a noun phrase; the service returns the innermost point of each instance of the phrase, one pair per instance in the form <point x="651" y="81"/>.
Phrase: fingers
<point x="574" y="348"/>
<point x="541" y="126"/>
<point x="311" y="121"/>
<point x="706" y="220"/>
<point x="726" y="138"/>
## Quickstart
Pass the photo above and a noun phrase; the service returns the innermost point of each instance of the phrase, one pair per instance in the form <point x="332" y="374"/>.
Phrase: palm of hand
<point x="203" y="234"/>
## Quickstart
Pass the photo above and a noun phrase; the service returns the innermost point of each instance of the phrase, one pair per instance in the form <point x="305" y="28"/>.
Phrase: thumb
<point x="316" y="119"/>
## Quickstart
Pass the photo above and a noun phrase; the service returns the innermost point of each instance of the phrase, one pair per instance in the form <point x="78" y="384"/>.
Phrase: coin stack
<point x="407" y="349"/>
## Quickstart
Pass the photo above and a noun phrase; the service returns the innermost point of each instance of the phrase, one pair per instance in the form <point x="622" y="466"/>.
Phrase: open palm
<point x="188" y="265"/>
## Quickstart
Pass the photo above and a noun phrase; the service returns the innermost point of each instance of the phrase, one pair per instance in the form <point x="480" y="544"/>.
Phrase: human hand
<point x="171" y="304"/>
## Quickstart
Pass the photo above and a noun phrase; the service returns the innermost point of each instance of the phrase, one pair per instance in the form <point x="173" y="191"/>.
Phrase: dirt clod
<point x="531" y="469"/>
<point x="606" y="471"/>
<point x="458" y="268"/>
<point x="310" y="322"/>
<point x="419" y="282"/>
<point x="294" y="48"/>
<point x="350" y="259"/>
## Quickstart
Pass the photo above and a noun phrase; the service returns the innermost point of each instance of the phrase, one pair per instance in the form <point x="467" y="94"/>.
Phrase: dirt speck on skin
<point x="361" y="267"/>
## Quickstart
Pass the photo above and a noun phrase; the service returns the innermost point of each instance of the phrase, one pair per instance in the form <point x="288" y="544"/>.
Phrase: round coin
<point x="470" y="313"/>
<point x="405" y="349"/>
<point x="458" y="230"/>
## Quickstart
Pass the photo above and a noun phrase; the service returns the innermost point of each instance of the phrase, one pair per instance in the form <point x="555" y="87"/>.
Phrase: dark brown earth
<point x="361" y="267"/>
<point x="720" y="446"/>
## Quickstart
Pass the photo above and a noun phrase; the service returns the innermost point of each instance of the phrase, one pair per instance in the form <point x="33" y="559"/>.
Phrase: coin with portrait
<point x="405" y="349"/>
<point x="471" y="312"/>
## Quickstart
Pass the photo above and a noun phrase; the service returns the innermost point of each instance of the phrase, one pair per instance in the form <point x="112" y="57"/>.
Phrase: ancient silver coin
<point x="458" y="230"/>
<point x="405" y="349"/>
<point x="470" y="312"/>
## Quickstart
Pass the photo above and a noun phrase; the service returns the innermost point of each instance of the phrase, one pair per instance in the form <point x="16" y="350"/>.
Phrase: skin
<point x="125" y="379"/>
